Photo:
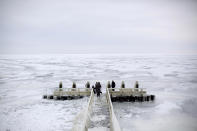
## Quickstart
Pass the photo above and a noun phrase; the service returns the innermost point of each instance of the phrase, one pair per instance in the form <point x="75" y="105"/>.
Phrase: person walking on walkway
<point x="98" y="89"/>
<point x="94" y="89"/>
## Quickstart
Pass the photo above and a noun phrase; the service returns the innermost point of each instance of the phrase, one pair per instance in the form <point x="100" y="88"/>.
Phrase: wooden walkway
<point x="100" y="117"/>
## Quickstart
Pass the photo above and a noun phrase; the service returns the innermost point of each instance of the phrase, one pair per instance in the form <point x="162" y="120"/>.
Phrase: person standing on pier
<point x="113" y="85"/>
<point x="98" y="89"/>
<point x="94" y="89"/>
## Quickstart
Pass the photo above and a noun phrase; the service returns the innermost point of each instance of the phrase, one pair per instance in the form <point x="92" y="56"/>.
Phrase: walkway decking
<point x="100" y="117"/>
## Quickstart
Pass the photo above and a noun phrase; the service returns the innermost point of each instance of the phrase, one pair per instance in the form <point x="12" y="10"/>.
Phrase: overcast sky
<point x="98" y="26"/>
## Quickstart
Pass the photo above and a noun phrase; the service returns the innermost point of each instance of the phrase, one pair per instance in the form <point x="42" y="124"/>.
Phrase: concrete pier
<point x="68" y="94"/>
<point x="100" y="118"/>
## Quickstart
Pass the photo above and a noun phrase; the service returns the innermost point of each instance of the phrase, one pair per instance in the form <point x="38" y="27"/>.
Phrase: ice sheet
<point x="24" y="78"/>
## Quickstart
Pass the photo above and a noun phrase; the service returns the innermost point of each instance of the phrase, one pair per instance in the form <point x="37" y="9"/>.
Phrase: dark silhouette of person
<point x="98" y="89"/>
<point x="113" y="85"/>
<point x="94" y="89"/>
<point x="96" y="86"/>
<point x="99" y="85"/>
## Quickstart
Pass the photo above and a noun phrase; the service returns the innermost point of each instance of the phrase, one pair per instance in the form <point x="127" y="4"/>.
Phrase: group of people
<point x="97" y="89"/>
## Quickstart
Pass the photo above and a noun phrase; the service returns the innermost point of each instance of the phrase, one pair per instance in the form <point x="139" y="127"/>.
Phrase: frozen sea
<point x="25" y="78"/>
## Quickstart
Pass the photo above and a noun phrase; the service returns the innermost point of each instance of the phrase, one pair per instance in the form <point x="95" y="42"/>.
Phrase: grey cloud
<point x="49" y="26"/>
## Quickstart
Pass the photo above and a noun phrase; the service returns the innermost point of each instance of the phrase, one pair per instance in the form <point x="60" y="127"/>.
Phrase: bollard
<point x="136" y="84"/>
<point x="87" y="84"/>
<point x="108" y="84"/>
<point x="122" y="84"/>
<point x="74" y="85"/>
<point x="60" y="85"/>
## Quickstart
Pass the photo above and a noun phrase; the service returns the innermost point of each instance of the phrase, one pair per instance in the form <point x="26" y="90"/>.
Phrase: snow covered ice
<point x="24" y="79"/>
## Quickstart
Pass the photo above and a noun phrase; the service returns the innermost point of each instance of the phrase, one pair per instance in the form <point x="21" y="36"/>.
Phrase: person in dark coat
<point x="99" y="85"/>
<point x="98" y="89"/>
<point x="113" y="85"/>
<point x="94" y="89"/>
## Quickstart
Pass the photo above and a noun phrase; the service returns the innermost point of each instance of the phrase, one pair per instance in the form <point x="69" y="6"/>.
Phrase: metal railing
<point x="114" y="124"/>
<point x="126" y="91"/>
<point x="82" y="119"/>
<point x="72" y="92"/>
